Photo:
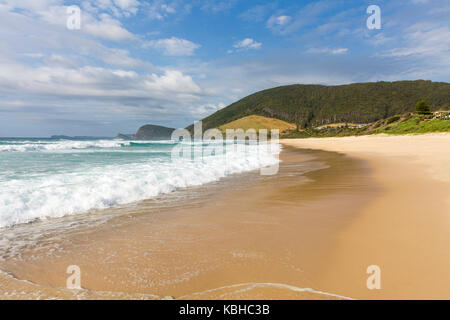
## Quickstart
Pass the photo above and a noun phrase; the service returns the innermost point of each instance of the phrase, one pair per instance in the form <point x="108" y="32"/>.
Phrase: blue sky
<point x="172" y="62"/>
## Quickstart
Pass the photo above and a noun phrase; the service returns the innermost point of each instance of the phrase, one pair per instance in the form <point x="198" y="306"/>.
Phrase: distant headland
<point x="149" y="131"/>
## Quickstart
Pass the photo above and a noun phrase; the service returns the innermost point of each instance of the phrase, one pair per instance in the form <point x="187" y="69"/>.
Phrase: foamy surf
<point x="236" y="290"/>
<point x="48" y="145"/>
<point x="45" y="179"/>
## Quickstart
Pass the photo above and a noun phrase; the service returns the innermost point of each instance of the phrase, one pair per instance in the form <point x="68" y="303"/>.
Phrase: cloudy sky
<point x="134" y="62"/>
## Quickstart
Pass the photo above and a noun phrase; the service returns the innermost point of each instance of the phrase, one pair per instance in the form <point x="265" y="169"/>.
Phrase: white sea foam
<point x="243" y="287"/>
<point x="102" y="186"/>
<point x="62" y="145"/>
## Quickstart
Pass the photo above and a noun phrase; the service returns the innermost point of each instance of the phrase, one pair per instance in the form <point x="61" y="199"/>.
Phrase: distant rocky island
<point x="64" y="137"/>
<point x="149" y="131"/>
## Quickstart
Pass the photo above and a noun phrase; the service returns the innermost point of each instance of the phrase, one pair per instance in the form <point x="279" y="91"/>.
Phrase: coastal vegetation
<point x="423" y="107"/>
<point x="408" y="123"/>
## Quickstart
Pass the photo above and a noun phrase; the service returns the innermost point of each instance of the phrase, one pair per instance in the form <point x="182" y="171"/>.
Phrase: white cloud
<point x="247" y="43"/>
<point x="168" y="9"/>
<point x="173" y="81"/>
<point x="125" y="74"/>
<point x="204" y="110"/>
<point x="118" y="8"/>
<point x="127" y="5"/>
<point x="339" y="50"/>
<point x="120" y="57"/>
<point x="277" y="21"/>
<point x="32" y="5"/>
<point x="59" y="61"/>
<point x="328" y="50"/>
<point x="93" y="21"/>
<point x="424" y="40"/>
<point x="12" y="104"/>
<point x="174" y="46"/>
<point x="426" y="48"/>
<point x="90" y="82"/>
<point x="158" y="9"/>
<point x="107" y="28"/>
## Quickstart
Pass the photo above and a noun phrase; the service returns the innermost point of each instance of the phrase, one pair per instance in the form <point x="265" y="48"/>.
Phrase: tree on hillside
<point x="423" y="107"/>
<point x="303" y="119"/>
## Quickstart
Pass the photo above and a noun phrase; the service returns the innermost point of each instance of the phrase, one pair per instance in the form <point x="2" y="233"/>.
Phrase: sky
<point x="135" y="62"/>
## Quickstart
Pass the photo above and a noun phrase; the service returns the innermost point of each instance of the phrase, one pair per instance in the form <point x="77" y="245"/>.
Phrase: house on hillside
<point x="341" y="125"/>
<point x="442" y="114"/>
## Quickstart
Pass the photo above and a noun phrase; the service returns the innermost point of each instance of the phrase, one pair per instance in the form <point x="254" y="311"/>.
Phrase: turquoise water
<point x="45" y="178"/>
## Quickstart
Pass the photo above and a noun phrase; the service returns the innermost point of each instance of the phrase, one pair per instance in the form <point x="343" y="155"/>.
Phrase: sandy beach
<point x="405" y="230"/>
<point x="336" y="207"/>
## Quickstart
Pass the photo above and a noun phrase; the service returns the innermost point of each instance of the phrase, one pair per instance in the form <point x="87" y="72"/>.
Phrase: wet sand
<point x="252" y="237"/>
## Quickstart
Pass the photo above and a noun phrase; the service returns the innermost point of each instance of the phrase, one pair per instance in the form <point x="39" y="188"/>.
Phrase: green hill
<point x="316" y="105"/>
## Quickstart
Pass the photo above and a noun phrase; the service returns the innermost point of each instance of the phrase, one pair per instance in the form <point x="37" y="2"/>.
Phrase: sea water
<point x="47" y="178"/>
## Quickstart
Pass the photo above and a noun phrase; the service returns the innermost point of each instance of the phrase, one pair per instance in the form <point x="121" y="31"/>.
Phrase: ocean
<point x="47" y="178"/>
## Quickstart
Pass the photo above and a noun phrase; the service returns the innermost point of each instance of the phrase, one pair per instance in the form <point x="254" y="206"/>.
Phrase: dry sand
<point x="406" y="229"/>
